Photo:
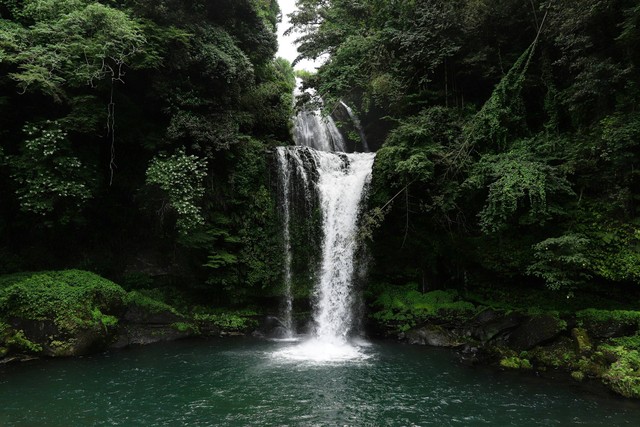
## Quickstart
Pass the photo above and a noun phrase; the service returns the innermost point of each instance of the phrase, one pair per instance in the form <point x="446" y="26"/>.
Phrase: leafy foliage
<point x="181" y="177"/>
<point x="561" y="261"/>
<point x="509" y="137"/>
<point x="403" y="307"/>
<point x="48" y="175"/>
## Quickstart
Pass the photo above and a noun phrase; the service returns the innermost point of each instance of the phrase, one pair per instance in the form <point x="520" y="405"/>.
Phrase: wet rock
<point x="432" y="335"/>
<point x="534" y="331"/>
<point x="143" y="334"/>
<point x="490" y="324"/>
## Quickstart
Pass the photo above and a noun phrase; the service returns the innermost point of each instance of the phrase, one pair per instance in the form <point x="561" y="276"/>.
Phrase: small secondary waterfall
<point x="312" y="129"/>
<point x="338" y="182"/>
<point x="357" y="125"/>
<point x="285" y="179"/>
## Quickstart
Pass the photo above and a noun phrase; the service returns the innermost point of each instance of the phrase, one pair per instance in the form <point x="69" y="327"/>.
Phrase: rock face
<point x="491" y="328"/>
<point x="142" y="325"/>
<point x="143" y="334"/>
<point x="57" y="342"/>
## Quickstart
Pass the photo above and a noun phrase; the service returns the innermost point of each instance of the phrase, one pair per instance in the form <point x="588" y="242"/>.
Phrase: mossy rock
<point x="578" y="375"/>
<point x="560" y="354"/>
<point x="623" y="376"/>
<point x="515" y="362"/>
<point x="491" y="324"/>
<point x="609" y="323"/>
<point x="581" y="339"/>
<point x="433" y="335"/>
<point x="60" y="313"/>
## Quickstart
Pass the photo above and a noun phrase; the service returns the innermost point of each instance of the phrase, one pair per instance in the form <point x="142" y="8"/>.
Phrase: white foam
<point x="318" y="351"/>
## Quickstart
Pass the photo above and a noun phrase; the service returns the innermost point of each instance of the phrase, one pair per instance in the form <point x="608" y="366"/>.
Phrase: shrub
<point x="402" y="307"/>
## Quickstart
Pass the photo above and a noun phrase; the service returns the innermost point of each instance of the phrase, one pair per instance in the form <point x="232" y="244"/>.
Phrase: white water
<point x="285" y="183"/>
<point x="340" y="182"/>
<point x="312" y="129"/>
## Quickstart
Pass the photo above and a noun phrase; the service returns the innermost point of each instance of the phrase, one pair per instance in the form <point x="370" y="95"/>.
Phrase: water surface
<point x="245" y="382"/>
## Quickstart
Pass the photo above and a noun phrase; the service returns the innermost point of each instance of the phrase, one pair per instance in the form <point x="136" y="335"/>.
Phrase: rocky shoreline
<point x="590" y="346"/>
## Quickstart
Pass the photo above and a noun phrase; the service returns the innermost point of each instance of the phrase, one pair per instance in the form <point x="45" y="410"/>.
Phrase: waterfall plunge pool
<point x="247" y="382"/>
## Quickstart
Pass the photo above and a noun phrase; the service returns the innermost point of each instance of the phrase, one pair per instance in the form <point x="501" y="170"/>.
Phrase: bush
<point x="403" y="307"/>
<point x="232" y="321"/>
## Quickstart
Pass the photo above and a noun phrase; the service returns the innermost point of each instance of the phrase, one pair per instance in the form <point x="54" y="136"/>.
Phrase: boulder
<point x="432" y="335"/>
<point x="534" y="331"/>
<point x="491" y="324"/>
<point x="54" y="341"/>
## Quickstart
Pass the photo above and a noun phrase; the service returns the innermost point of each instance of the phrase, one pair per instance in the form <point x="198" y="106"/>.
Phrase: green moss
<point x="228" y="321"/>
<point x="20" y="343"/>
<point x="623" y="376"/>
<point x="61" y="348"/>
<point x="515" y="362"/>
<point x="105" y="320"/>
<point x="148" y="303"/>
<point x="581" y="338"/>
<point x="577" y="375"/>
<point x="185" y="327"/>
<point x="559" y="355"/>
<point x="72" y="299"/>
<point x="622" y="317"/>
<point x="630" y="343"/>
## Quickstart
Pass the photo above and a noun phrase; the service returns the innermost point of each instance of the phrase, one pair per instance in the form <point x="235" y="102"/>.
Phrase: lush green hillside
<point x="509" y="135"/>
<point x="133" y="136"/>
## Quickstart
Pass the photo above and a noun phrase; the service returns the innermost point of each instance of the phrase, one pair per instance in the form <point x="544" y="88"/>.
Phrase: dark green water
<point x="238" y="382"/>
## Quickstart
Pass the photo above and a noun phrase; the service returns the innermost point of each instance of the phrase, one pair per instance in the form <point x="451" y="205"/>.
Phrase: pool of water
<point x="246" y="382"/>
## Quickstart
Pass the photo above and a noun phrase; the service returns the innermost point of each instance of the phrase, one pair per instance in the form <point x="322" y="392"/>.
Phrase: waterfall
<point x="285" y="194"/>
<point x="338" y="181"/>
<point x="312" y="129"/>
<point x="341" y="185"/>
<point x="357" y="125"/>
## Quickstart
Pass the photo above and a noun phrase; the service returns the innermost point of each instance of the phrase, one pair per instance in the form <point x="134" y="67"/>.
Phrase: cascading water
<point x="339" y="182"/>
<point x="357" y="125"/>
<point x="285" y="180"/>
<point x="341" y="185"/>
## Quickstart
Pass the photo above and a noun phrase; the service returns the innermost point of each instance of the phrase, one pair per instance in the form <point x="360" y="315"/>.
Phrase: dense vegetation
<point x="133" y="141"/>
<point x="509" y="135"/>
<point x="503" y="213"/>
